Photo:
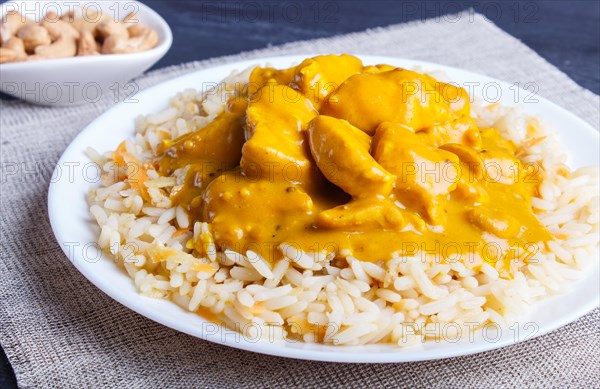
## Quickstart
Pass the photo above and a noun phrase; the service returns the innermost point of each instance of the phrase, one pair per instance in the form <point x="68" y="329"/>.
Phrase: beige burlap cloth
<point x="59" y="330"/>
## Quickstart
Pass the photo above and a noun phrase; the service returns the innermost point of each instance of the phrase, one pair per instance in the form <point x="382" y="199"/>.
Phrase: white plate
<point x="77" y="233"/>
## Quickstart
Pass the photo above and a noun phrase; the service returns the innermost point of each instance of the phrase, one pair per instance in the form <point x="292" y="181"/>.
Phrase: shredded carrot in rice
<point x="136" y="171"/>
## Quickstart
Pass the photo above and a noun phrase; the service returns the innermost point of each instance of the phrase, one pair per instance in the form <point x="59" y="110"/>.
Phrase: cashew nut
<point x="60" y="28"/>
<point x="130" y="18"/>
<point x="34" y="57"/>
<point x="65" y="46"/>
<point x="142" y="39"/>
<point x="33" y="35"/>
<point x="111" y="27"/>
<point x="64" y="38"/>
<point x="13" y="51"/>
<point x="137" y="30"/>
<point x="68" y="17"/>
<point x="10" y="24"/>
<point x="7" y="55"/>
<point x="51" y="17"/>
<point x="89" y="23"/>
<point x="87" y="44"/>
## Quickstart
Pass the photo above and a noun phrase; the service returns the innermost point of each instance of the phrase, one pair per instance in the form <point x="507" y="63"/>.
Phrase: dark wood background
<point x="565" y="32"/>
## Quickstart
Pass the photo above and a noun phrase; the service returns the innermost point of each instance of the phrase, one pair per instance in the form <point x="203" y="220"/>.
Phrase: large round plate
<point x="77" y="233"/>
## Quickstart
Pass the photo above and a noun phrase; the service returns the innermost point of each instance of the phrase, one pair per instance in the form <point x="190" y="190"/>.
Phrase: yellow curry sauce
<point x="335" y="156"/>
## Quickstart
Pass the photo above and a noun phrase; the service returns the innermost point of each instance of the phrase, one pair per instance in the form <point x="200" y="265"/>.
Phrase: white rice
<point x="338" y="301"/>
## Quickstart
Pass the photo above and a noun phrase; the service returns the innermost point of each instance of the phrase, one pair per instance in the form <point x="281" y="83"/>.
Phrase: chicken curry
<point x="335" y="156"/>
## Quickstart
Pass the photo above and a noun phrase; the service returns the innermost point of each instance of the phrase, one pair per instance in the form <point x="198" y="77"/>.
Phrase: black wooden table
<point x="565" y="32"/>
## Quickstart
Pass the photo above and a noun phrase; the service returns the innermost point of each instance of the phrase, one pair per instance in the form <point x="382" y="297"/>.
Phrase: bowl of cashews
<point x="78" y="52"/>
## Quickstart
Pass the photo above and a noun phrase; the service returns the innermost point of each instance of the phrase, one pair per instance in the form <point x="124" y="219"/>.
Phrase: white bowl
<point x="80" y="80"/>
